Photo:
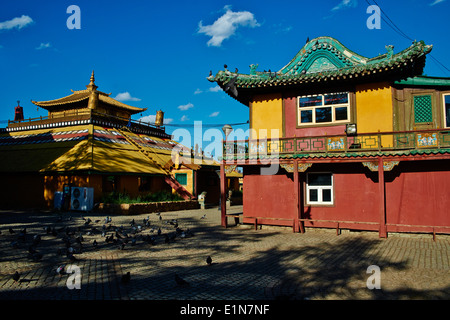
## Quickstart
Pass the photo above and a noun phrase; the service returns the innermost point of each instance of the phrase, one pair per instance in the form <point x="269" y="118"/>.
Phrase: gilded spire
<point x="91" y="86"/>
<point x="92" y="78"/>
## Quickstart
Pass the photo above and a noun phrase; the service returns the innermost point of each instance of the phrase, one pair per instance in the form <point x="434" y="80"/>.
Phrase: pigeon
<point x="209" y="260"/>
<point x="60" y="270"/>
<point x="204" y="216"/>
<point x="126" y="277"/>
<point x="180" y="281"/>
<point x="16" y="276"/>
<point x="36" y="239"/>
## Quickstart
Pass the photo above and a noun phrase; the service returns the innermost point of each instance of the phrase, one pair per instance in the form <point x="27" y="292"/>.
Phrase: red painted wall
<point x="416" y="194"/>
<point x="416" y="197"/>
<point x="268" y="196"/>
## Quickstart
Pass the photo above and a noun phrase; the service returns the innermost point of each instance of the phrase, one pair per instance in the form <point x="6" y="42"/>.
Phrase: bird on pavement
<point x="209" y="260"/>
<point x="16" y="276"/>
<point x="60" y="270"/>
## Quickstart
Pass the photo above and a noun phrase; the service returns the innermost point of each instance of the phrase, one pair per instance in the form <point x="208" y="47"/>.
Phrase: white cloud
<point x="215" y="89"/>
<point x="18" y="22"/>
<point x="151" y="119"/>
<point x="184" y="118"/>
<point x="225" y="26"/>
<point x="345" y="3"/>
<point x="126" y="96"/>
<point x="214" y="114"/>
<point x="43" y="46"/>
<point x="184" y="107"/>
<point x="198" y="91"/>
<point x="436" y="2"/>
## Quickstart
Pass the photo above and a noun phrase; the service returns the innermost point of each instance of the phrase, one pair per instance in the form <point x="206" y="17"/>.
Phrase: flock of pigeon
<point x="108" y="235"/>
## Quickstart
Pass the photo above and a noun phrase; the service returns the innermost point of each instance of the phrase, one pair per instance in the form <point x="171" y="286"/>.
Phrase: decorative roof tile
<point x="324" y="60"/>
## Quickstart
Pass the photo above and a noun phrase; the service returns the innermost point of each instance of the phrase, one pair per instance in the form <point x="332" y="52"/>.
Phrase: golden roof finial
<point x="91" y="86"/>
<point x="92" y="78"/>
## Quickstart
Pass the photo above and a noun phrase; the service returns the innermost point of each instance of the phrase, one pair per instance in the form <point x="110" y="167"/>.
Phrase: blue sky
<point x="157" y="54"/>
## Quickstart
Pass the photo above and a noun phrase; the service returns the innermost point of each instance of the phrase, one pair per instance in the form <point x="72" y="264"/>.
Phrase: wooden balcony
<point x="365" y="144"/>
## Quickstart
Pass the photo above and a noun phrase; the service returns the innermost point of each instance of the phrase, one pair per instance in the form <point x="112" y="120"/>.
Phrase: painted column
<point x="223" y="194"/>
<point x="381" y="191"/>
<point x="297" y="197"/>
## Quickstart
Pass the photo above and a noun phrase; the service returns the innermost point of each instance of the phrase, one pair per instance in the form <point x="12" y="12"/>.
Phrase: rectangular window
<point x="447" y="110"/>
<point x="319" y="188"/>
<point x="181" y="178"/>
<point x="324" y="108"/>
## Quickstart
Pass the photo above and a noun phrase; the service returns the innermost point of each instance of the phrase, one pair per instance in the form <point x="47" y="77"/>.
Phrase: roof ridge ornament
<point x="91" y="86"/>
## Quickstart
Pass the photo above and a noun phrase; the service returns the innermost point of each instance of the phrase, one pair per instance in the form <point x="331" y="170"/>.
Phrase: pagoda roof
<point x="86" y="148"/>
<point x="81" y="95"/>
<point x="324" y="60"/>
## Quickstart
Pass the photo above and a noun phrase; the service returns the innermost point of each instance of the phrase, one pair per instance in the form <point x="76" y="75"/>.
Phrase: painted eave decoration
<point x="325" y="60"/>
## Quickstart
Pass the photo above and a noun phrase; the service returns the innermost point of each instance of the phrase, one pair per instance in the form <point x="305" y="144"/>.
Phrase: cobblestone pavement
<point x="271" y="263"/>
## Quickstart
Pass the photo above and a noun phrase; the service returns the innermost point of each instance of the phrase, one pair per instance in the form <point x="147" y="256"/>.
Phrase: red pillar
<point x="297" y="212"/>
<point x="381" y="191"/>
<point x="223" y="194"/>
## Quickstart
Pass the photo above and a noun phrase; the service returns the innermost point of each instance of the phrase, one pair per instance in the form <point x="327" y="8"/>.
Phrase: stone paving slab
<point x="272" y="263"/>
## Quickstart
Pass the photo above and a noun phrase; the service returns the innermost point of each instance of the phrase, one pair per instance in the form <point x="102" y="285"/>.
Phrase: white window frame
<point x="319" y="190"/>
<point x="443" y="108"/>
<point x="332" y="106"/>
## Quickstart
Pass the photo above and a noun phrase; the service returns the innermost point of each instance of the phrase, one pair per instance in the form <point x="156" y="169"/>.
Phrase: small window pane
<point x="337" y="98"/>
<point x="319" y="179"/>
<point x="326" y="195"/>
<point x="310" y="101"/>
<point x="447" y="110"/>
<point x="341" y="113"/>
<point x="181" y="178"/>
<point x="323" y="114"/>
<point x="306" y="116"/>
<point x="313" y="195"/>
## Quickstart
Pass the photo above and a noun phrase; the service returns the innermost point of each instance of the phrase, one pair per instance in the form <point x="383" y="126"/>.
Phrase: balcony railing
<point x="335" y="144"/>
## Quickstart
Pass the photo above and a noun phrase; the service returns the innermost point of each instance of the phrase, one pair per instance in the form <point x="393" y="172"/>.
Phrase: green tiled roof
<point x="324" y="60"/>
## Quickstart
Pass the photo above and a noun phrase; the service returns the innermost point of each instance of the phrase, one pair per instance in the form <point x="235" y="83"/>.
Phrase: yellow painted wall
<point x="374" y="109"/>
<point x="267" y="114"/>
<point x="190" y="179"/>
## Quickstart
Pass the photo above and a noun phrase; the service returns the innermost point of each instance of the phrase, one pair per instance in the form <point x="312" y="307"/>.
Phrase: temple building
<point x="89" y="140"/>
<point x="339" y="140"/>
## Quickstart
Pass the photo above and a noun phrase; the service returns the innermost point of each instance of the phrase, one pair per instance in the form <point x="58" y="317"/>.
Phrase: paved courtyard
<point x="271" y="263"/>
